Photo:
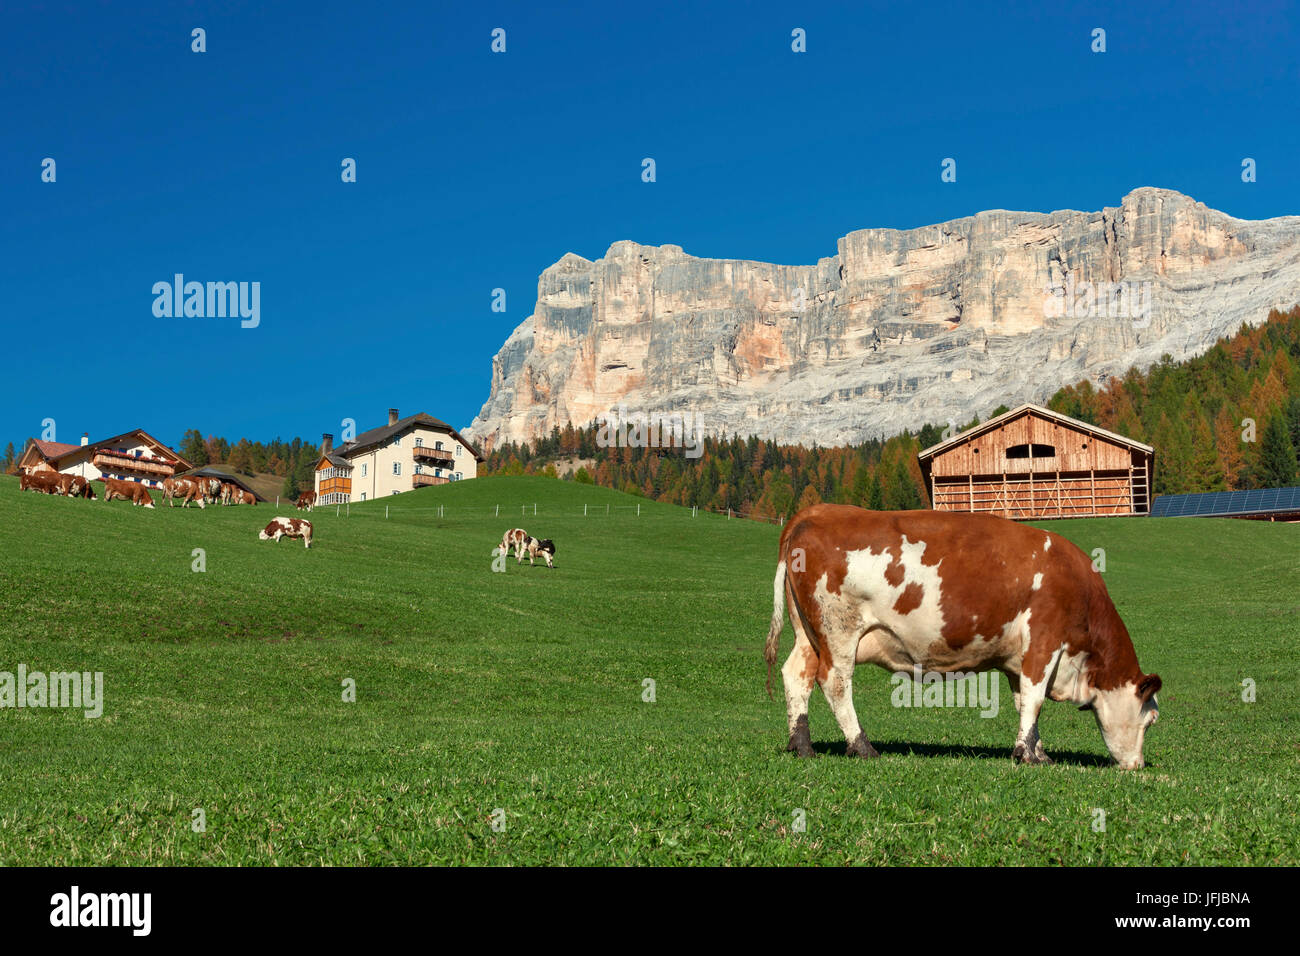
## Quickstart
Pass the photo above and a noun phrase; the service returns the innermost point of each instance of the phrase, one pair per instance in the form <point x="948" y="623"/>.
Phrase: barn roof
<point x="377" y="436"/>
<point x="1000" y="420"/>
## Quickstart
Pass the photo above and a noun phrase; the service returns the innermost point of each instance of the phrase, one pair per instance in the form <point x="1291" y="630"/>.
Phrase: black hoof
<point x="801" y="740"/>
<point x="861" y="748"/>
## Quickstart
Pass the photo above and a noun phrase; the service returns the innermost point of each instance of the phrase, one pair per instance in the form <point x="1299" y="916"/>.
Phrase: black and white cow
<point x="534" y="547"/>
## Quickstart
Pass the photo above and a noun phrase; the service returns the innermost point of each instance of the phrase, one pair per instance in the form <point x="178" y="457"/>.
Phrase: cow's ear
<point x="1148" y="687"/>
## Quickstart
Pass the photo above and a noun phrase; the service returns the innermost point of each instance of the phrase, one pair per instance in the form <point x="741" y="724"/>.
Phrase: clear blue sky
<point x="476" y="171"/>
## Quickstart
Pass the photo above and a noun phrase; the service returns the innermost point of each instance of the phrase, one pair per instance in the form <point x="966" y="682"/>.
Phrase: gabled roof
<point x="53" y="449"/>
<point x="1005" y="417"/>
<point x="378" y="436"/>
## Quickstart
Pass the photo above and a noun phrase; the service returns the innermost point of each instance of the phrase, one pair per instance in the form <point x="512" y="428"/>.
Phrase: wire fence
<point x="541" y="509"/>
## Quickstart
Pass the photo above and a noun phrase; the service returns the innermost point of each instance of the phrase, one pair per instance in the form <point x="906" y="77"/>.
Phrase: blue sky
<point x="478" y="170"/>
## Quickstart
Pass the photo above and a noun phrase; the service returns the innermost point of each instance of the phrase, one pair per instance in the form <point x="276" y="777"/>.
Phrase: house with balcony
<point x="405" y="454"/>
<point x="132" y="456"/>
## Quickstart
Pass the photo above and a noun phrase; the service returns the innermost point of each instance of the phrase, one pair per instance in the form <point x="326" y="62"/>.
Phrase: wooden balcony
<point x="120" y="461"/>
<point x="440" y="457"/>
<point x="419" y="481"/>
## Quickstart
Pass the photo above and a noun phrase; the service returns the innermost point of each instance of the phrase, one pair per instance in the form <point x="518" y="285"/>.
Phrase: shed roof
<point x="1000" y="420"/>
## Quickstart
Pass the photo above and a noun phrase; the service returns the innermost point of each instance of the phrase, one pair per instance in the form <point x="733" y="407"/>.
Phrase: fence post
<point x="638" y="509"/>
<point x="498" y="511"/>
<point x="728" y="514"/>
<point x="277" y="501"/>
<point x="584" y="511"/>
<point x="337" y="509"/>
<point x="534" y="509"/>
<point x="385" y="512"/>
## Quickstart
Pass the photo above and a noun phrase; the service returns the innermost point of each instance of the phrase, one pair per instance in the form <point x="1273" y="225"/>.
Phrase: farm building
<point x="1261" y="504"/>
<point x="1032" y="462"/>
<point x="406" y="453"/>
<point x="132" y="456"/>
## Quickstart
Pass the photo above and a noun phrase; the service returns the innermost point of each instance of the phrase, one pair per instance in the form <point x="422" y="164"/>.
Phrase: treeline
<point x="294" y="461"/>
<point x="1228" y="419"/>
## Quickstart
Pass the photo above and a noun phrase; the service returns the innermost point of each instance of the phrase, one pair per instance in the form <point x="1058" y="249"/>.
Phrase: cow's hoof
<point x="1022" y="754"/>
<point x="801" y="739"/>
<point x="861" y="748"/>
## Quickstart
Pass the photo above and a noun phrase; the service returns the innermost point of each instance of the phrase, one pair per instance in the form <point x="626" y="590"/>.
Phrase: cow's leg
<point x="798" y="675"/>
<point x="1029" y="701"/>
<point x="836" y="678"/>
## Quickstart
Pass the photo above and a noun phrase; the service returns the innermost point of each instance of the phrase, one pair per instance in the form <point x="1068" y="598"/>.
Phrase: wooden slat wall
<point x="986" y="454"/>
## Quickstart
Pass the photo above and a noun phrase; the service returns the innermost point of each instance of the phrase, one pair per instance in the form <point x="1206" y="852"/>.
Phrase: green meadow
<point x="501" y="718"/>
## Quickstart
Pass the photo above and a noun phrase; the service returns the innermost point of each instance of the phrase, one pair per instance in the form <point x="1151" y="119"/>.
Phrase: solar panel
<point x="1226" y="503"/>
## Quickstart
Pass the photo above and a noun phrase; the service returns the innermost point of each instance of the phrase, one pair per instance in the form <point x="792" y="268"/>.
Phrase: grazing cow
<point x="81" y="488"/>
<point x="247" y="498"/>
<point x="209" y="488"/>
<point x="944" y="592"/>
<point x="62" y="484"/>
<point x="35" y="479"/>
<point x="187" y="489"/>
<point x="287" y="527"/>
<point x="230" y="493"/>
<point x="513" y="540"/>
<point x="131" y="491"/>
<point x="307" y="500"/>
<point x="533" y="547"/>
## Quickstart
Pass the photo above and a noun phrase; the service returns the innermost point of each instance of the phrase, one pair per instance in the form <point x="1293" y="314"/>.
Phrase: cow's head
<point x="1124" y="714"/>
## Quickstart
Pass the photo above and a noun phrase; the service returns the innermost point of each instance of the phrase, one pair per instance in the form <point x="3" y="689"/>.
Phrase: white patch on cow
<point x="1038" y="581"/>
<point x="1047" y="543"/>
<point x="1070" y="682"/>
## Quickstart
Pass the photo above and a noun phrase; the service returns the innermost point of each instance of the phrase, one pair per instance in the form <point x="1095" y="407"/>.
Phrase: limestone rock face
<point x="900" y="328"/>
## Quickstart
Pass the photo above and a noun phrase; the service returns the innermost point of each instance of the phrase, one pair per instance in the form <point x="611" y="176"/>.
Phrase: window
<point x="457" y="451"/>
<point x="364" y="465"/>
<point x="437" y="472"/>
<point x="419" y="469"/>
<point x="1031" y="451"/>
<point x="419" y="442"/>
<point x="397" y="467"/>
<point x="397" y="441"/>
<point x="363" y="496"/>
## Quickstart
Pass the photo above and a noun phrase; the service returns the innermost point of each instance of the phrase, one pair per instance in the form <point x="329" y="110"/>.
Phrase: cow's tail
<point x="778" y="622"/>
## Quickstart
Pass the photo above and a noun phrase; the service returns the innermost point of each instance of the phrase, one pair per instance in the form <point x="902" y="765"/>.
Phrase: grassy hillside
<point x="523" y="691"/>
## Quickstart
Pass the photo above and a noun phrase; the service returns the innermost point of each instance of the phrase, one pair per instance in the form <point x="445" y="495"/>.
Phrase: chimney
<point x="326" y="443"/>
<point x="392" y="416"/>
<point x="85" y="439"/>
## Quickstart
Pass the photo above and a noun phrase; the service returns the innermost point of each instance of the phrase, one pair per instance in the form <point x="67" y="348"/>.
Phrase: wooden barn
<point x="1032" y="462"/>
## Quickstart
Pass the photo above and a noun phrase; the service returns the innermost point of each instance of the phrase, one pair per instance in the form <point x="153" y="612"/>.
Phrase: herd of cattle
<point x="203" y="489"/>
<point x="200" y="488"/>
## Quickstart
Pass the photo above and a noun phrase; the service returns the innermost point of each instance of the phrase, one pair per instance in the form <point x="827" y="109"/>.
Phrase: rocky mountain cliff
<point x="901" y="328"/>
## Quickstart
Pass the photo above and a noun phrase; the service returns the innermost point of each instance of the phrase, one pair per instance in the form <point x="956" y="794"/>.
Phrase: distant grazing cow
<point x="287" y="528"/>
<point x="230" y="493"/>
<point x="46" y="482"/>
<point x="209" y="488"/>
<point x="131" y="491"/>
<point x="945" y="592"/>
<point x="187" y="489"/>
<point x="247" y="498"/>
<point x="513" y="540"/>
<point x="533" y="547"/>
<point x="81" y="488"/>
<point x="307" y="500"/>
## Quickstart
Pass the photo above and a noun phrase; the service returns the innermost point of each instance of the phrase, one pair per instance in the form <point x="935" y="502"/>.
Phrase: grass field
<point x="523" y="691"/>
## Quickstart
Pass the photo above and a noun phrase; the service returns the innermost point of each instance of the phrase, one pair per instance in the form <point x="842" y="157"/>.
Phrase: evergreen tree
<point x="1277" y="456"/>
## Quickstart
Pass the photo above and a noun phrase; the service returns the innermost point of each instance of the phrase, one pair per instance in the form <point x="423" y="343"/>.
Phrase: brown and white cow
<point x="81" y="488"/>
<point x="42" y="480"/>
<point x="945" y="592"/>
<point x="307" y="500"/>
<point x="186" y="488"/>
<point x="246" y="498"/>
<point x="131" y="491"/>
<point x="230" y="493"/>
<point x="513" y="540"/>
<point x="287" y="528"/>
